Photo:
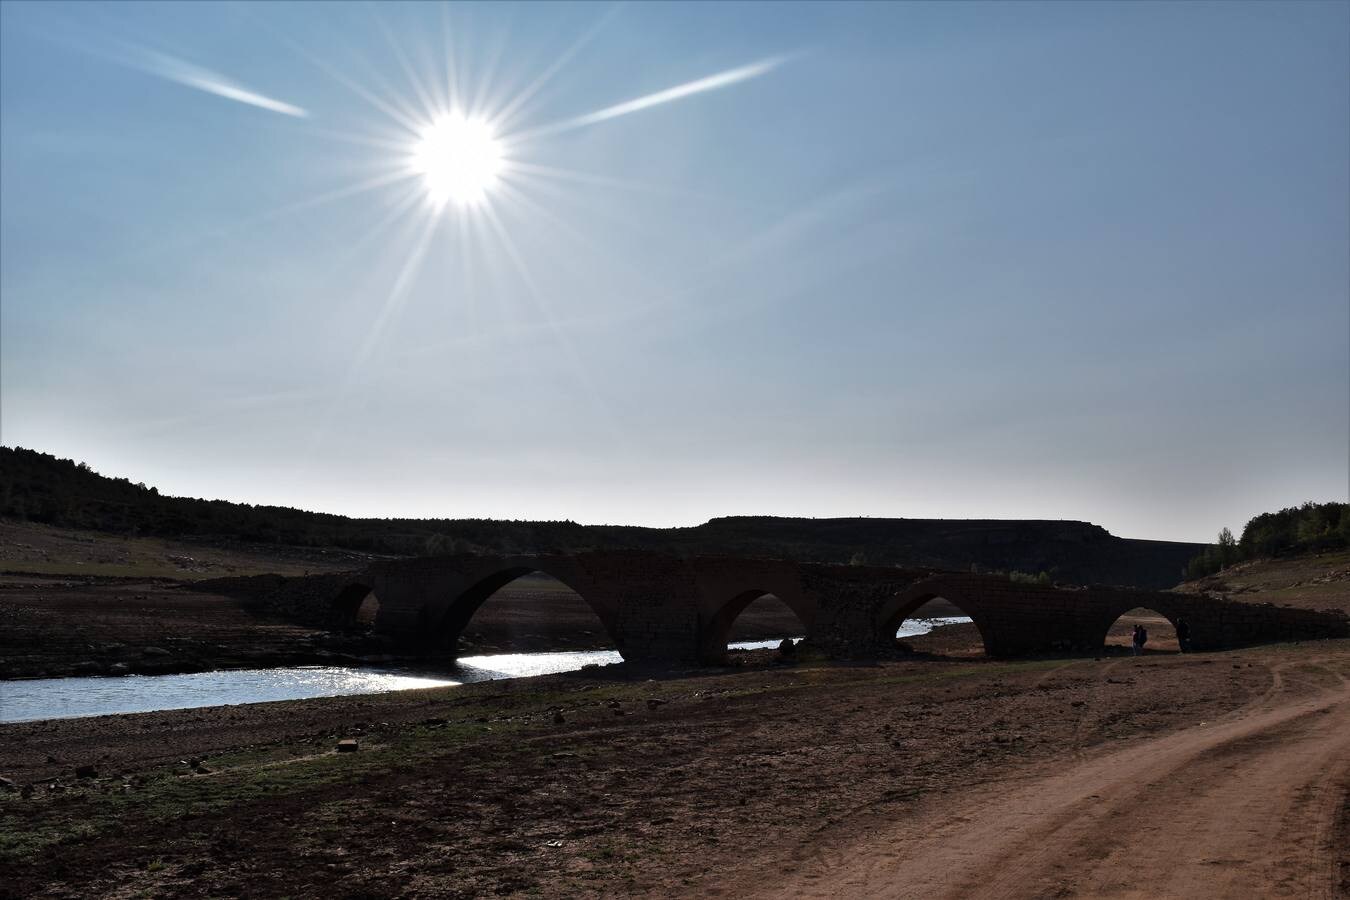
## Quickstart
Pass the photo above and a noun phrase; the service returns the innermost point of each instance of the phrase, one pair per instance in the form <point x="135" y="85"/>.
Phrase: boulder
<point x="86" y="771"/>
<point x="347" y="745"/>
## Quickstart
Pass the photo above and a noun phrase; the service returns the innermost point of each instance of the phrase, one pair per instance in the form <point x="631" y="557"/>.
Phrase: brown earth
<point x="1251" y="804"/>
<point x="30" y="548"/>
<point x="1314" y="581"/>
<point x="53" y="626"/>
<point x="1171" y="775"/>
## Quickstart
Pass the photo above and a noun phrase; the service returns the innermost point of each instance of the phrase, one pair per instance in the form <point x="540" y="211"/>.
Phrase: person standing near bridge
<point x="1139" y="639"/>
<point x="1183" y="635"/>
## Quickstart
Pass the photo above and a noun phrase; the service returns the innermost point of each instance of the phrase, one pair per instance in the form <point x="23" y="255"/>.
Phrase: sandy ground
<point x="1169" y="775"/>
<point x="1248" y="805"/>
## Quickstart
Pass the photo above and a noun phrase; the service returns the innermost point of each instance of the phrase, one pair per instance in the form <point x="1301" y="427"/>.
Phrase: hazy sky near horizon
<point x="1080" y="261"/>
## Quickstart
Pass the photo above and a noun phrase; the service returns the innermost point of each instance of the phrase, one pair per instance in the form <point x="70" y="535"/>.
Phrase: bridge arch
<point x="1158" y="639"/>
<point x="905" y="604"/>
<point x="446" y="630"/>
<point x="715" y="630"/>
<point x="355" y="604"/>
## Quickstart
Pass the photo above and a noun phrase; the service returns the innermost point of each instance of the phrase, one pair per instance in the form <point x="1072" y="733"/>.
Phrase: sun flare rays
<point x="452" y="146"/>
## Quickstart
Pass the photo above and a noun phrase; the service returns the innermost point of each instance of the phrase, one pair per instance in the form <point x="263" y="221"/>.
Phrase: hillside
<point x="1308" y="581"/>
<point x="38" y="487"/>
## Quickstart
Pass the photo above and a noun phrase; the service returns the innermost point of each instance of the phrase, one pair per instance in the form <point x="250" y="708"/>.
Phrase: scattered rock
<point x="119" y="669"/>
<point x="7" y="785"/>
<point x="347" y="745"/>
<point x="654" y="702"/>
<point x="559" y="718"/>
<point x="86" y="772"/>
<point x="155" y="651"/>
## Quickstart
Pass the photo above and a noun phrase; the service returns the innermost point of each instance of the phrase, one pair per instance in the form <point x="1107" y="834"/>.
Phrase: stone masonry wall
<point x="669" y="610"/>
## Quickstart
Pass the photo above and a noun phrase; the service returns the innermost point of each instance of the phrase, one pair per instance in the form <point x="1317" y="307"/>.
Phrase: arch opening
<point x="523" y="611"/>
<point x="935" y="624"/>
<point x="1162" y="632"/>
<point x="754" y="619"/>
<point x="355" y="608"/>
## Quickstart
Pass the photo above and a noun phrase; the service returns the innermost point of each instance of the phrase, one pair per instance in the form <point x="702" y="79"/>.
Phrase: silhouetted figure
<point x="1183" y="636"/>
<point x="1139" y="639"/>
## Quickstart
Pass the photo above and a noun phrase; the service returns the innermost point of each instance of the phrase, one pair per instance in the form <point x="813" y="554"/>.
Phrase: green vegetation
<point x="1308" y="528"/>
<point x="1041" y="577"/>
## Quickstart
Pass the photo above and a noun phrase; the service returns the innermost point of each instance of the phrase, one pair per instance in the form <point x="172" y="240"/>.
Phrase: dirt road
<point x="1244" y="806"/>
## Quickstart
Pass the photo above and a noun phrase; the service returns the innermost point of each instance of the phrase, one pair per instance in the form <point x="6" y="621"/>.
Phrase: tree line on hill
<point x="1297" y="529"/>
<point x="39" y="487"/>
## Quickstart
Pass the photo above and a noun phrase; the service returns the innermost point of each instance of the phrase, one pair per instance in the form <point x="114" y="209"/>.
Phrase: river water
<point x="65" y="698"/>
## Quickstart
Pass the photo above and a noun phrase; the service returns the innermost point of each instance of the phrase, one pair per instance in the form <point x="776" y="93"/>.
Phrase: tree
<point x="1228" y="549"/>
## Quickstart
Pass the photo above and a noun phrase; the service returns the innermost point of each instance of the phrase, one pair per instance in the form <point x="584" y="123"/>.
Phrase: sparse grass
<point x="144" y="569"/>
<point x="28" y="827"/>
<point x="31" y="548"/>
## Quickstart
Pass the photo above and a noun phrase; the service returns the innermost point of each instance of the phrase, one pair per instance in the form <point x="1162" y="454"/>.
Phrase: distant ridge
<point x="39" y="487"/>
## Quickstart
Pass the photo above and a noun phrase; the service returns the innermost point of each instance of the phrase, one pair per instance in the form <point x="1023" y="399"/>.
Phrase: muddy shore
<point x="599" y="783"/>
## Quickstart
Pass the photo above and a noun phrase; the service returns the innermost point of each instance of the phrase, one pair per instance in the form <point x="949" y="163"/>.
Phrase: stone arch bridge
<point x="674" y="610"/>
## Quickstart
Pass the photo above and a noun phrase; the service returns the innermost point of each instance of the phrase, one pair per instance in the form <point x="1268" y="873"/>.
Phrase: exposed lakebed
<point x="62" y="698"/>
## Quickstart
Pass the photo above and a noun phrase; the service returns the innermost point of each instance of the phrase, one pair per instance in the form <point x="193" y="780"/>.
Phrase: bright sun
<point x="459" y="158"/>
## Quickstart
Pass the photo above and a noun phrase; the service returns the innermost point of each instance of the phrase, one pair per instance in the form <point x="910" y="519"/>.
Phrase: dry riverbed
<point x="766" y="777"/>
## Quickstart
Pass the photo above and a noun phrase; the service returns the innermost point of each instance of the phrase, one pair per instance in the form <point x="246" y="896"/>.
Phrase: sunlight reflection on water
<point x="65" y="698"/>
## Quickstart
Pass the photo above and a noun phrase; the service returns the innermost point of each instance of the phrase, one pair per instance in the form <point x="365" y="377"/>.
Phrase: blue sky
<point x="1079" y="261"/>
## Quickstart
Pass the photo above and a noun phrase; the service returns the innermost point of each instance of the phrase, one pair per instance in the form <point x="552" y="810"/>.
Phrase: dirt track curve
<point x="1244" y="806"/>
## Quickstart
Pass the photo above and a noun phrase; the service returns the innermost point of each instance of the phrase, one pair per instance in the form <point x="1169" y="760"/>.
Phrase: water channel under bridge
<point x="662" y="609"/>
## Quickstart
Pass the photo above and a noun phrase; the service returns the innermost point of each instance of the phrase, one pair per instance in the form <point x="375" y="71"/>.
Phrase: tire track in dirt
<point x="1245" y="805"/>
<point x="1199" y="821"/>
